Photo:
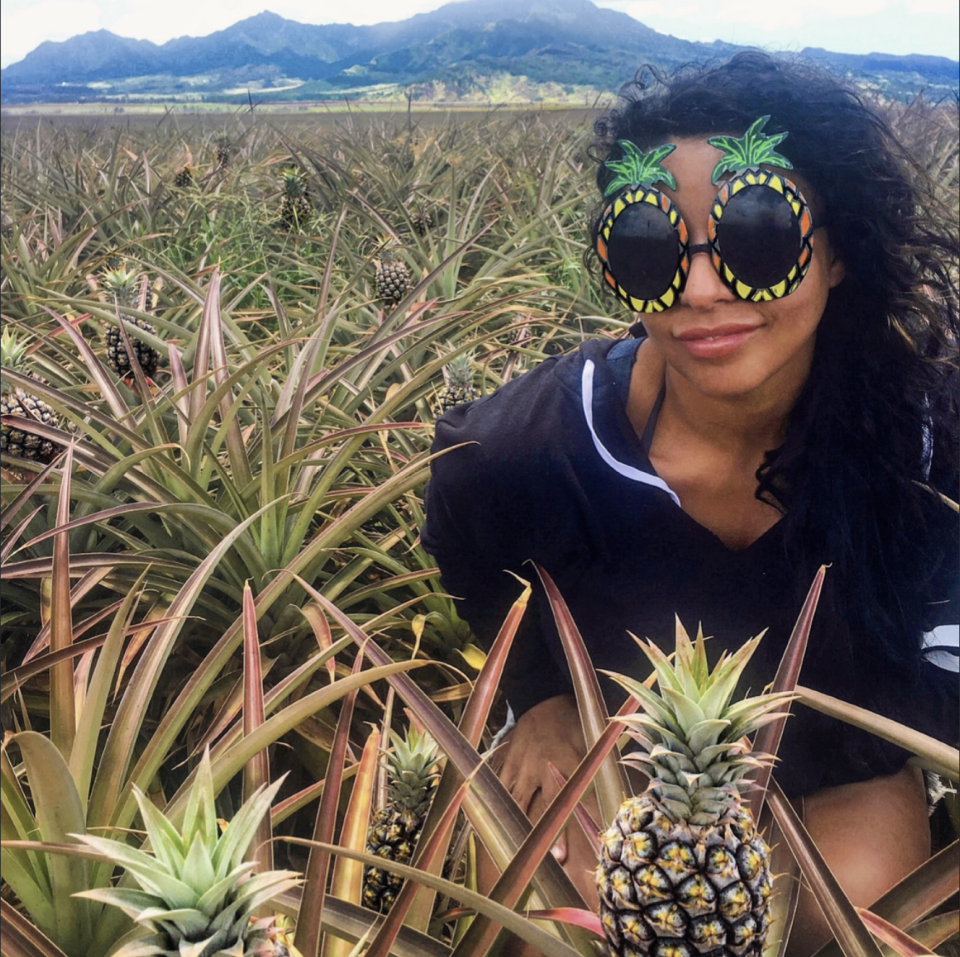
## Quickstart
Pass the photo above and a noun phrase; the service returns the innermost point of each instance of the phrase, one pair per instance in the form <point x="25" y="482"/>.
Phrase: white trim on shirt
<point x="627" y="471"/>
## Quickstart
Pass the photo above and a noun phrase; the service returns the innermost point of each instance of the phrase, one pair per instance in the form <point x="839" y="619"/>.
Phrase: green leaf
<point x="749" y="151"/>
<point x="636" y="168"/>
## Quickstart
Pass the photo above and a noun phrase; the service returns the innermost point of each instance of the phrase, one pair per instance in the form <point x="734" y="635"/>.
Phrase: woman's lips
<point x="717" y="342"/>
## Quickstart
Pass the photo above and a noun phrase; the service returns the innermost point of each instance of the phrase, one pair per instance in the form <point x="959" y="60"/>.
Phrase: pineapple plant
<point x="393" y="276"/>
<point x="223" y="152"/>
<point x="412" y="778"/>
<point x="295" y="206"/>
<point x="421" y="220"/>
<point x="198" y="892"/>
<point x="123" y="287"/>
<point x="683" y="869"/>
<point x="15" y="401"/>
<point x="458" y="384"/>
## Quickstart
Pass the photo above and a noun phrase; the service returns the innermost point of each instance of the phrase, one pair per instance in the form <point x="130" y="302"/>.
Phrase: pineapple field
<point x="241" y="715"/>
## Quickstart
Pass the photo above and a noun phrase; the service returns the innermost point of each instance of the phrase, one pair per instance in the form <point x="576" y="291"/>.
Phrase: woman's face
<point x="722" y="345"/>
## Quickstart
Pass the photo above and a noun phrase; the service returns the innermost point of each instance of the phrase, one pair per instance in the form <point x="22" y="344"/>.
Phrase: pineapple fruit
<point x="197" y="893"/>
<point x="15" y="401"/>
<point x="183" y="178"/>
<point x="458" y="384"/>
<point x="412" y="776"/>
<point x="683" y="869"/>
<point x="295" y="206"/>
<point x="223" y="152"/>
<point x="421" y="220"/>
<point x="393" y="277"/>
<point x="123" y="287"/>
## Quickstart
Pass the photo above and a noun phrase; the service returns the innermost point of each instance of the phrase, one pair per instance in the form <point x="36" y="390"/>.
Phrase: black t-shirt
<point x="552" y="471"/>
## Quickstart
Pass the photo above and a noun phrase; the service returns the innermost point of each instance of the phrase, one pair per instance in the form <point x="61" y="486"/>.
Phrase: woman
<point x="790" y="400"/>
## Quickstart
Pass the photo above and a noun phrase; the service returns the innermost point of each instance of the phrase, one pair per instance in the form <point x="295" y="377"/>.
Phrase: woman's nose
<point x="704" y="287"/>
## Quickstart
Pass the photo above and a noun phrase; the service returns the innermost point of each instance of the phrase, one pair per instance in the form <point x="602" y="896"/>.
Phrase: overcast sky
<point x="848" y="26"/>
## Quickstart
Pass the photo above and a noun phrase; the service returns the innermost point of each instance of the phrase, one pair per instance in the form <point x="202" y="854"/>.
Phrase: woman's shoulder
<point x="524" y="420"/>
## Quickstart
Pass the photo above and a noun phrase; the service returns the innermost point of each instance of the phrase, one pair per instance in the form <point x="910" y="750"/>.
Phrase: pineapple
<point x="122" y="285"/>
<point x="421" y="221"/>
<point x="223" y="152"/>
<point x="413" y="775"/>
<point x="458" y="384"/>
<point x="295" y="207"/>
<point x="683" y="869"/>
<point x="198" y="892"/>
<point x="21" y="442"/>
<point x="393" y="277"/>
<point x="183" y="178"/>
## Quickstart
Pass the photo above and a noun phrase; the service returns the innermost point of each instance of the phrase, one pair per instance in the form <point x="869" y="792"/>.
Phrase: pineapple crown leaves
<point x="294" y="183"/>
<point x="749" y="151"/>
<point x="692" y="736"/>
<point x="12" y="349"/>
<point x="636" y="168"/>
<point x="120" y="280"/>
<point x="196" y="874"/>
<point x="459" y="370"/>
<point x="413" y="764"/>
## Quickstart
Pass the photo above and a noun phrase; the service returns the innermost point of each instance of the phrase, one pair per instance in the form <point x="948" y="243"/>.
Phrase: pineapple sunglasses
<point x="760" y="230"/>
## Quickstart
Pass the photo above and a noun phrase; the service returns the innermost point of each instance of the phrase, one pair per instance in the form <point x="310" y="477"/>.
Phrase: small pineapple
<point x="123" y="287"/>
<point x="198" y="892"/>
<point x="393" y="277"/>
<point x="223" y="152"/>
<point x="458" y="384"/>
<point x="683" y="870"/>
<point x="421" y="220"/>
<point x="295" y="206"/>
<point x="183" y="178"/>
<point x="16" y="401"/>
<point x="393" y="835"/>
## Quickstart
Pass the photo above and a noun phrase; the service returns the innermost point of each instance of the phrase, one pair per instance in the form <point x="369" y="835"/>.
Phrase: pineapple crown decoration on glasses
<point x="760" y="229"/>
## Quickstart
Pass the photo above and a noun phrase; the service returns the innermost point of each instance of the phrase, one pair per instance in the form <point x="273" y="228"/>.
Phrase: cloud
<point x="25" y="28"/>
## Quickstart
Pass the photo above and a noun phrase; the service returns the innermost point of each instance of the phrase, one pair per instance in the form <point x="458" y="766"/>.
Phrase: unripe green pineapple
<point x="123" y="288"/>
<point x="458" y="384"/>
<point x="683" y="869"/>
<point x="295" y="206"/>
<point x="198" y="892"/>
<point x="393" y="277"/>
<point x="393" y="835"/>
<point x="14" y="401"/>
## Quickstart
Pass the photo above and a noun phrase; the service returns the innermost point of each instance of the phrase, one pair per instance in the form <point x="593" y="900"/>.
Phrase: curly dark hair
<point x="872" y="442"/>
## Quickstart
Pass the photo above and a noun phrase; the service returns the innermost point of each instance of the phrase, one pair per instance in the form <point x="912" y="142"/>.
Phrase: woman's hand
<point x="548" y="734"/>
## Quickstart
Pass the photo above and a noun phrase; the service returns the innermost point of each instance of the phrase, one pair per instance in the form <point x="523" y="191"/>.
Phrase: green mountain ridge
<point x="465" y="49"/>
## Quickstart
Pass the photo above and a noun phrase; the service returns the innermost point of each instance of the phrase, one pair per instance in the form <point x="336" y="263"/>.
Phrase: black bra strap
<point x="646" y="440"/>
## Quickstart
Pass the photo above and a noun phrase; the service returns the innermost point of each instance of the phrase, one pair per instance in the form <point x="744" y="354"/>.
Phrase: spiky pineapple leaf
<point x="749" y="151"/>
<point x="637" y="168"/>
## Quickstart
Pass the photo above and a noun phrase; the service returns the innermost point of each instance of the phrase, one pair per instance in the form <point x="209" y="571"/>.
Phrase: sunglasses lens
<point x="759" y="236"/>
<point x="644" y="251"/>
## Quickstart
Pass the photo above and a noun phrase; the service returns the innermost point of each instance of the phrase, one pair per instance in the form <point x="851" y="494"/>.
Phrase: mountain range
<point x="450" y="53"/>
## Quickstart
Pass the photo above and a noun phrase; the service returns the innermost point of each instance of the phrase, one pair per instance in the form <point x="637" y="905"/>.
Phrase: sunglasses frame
<point x="750" y="178"/>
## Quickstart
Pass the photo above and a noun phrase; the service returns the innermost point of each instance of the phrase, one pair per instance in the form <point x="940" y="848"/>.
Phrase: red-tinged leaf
<point x="472" y="723"/>
<point x="180" y="400"/>
<point x="8" y="514"/>
<point x="570" y="915"/>
<point x="318" y="865"/>
<point x="63" y="715"/>
<point x="504" y="826"/>
<point x="892" y="936"/>
<point x="934" y="931"/>
<point x="12" y="680"/>
<point x="21" y="938"/>
<point x="11" y="541"/>
<point x="543" y="942"/>
<point x="611" y="781"/>
<point x="283" y="809"/>
<point x="428" y="851"/>
<point x="201" y="359"/>
<point x="933" y="755"/>
<point x="516" y="877"/>
<point x="87" y="583"/>
<point x="588" y="825"/>
<point x="347" y="881"/>
<point x="767" y="739"/>
<point x="321" y="630"/>
<point x="256" y="772"/>
<point x="918" y="894"/>
<point x="841" y="916"/>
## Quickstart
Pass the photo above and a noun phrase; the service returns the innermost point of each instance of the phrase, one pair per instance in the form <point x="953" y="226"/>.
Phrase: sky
<point x="846" y="26"/>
